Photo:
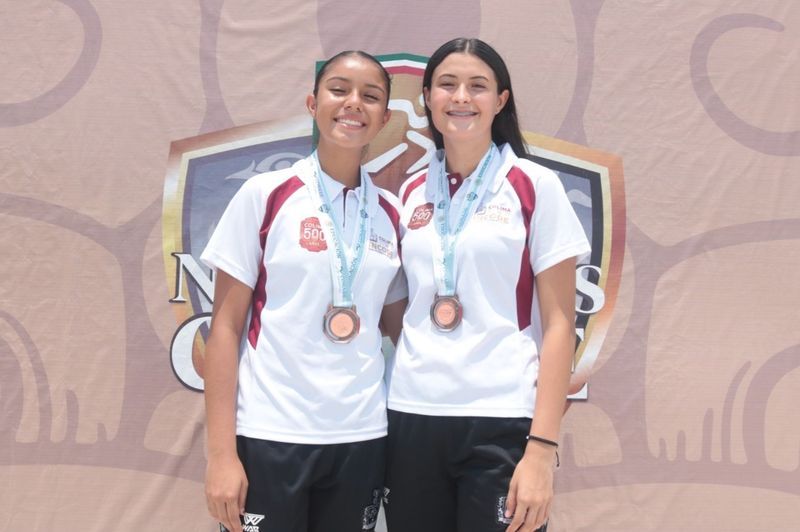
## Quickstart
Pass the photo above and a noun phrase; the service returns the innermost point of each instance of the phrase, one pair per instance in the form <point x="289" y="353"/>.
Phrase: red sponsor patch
<point x="421" y="217"/>
<point x="311" y="236"/>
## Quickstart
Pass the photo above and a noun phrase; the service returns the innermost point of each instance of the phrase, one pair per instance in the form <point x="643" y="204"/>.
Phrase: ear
<point x="387" y="114"/>
<point x="311" y="105"/>
<point x="502" y="98"/>
<point x="426" y="93"/>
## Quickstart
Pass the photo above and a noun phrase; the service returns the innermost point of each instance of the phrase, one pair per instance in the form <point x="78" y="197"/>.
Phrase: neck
<point x="341" y="164"/>
<point x="463" y="157"/>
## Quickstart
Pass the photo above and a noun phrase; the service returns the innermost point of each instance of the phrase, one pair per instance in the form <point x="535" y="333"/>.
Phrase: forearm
<point x="221" y="372"/>
<point x="557" y="302"/>
<point x="555" y="365"/>
<point x="531" y="489"/>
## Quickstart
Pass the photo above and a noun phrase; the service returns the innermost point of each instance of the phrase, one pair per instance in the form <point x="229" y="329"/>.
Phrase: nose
<point x="461" y="94"/>
<point x="353" y="100"/>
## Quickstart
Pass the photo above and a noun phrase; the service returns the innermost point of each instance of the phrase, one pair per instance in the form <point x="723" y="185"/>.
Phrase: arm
<point x="531" y="490"/>
<point x="226" y="482"/>
<point x="392" y="319"/>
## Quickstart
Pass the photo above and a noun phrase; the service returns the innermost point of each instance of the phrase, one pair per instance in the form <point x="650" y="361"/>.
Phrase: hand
<point x="531" y="490"/>
<point x="226" y="490"/>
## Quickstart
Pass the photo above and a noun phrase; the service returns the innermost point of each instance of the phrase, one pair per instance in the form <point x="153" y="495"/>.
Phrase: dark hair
<point x="505" y="127"/>
<point x="321" y="69"/>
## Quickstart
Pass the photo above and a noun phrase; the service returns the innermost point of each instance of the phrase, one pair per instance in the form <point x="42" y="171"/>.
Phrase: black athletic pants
<point x="312" y="488"/>
<point x="451" y="474"/>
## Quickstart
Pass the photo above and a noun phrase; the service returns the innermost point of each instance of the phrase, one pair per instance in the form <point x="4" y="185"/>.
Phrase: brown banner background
<point x="692" y="421"/>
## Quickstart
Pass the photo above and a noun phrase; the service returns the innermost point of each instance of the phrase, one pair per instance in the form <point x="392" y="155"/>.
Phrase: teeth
<point x="461" y="113"/>
<point x="349" y="122"/>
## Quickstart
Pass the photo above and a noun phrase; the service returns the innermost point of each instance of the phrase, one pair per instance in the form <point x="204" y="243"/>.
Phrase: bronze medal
<point x="446" y="312"/>
<point x="341" y="324"/>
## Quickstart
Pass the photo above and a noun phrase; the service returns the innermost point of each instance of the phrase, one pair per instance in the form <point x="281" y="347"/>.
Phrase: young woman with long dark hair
<point x="480" y="375"/>
<point x="307" y="261"/>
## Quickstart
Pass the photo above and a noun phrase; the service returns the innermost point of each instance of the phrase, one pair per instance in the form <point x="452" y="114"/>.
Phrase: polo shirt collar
<point x="335" y="188"/>
<point x="498" y="168"/>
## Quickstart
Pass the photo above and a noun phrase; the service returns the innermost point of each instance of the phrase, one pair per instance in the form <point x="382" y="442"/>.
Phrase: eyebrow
<point x="348" y="80"/>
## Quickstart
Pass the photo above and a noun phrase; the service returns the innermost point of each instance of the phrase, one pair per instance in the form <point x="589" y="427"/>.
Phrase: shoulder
<point x="411" y="184"/>
<point x="268" y="190"/>
<point x="266" y="183"/>
<point x="536" y="174"/>
<point x="389" y="206"/>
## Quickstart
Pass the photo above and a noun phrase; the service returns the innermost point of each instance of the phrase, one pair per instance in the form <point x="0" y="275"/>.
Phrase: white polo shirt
<point x="294" y="384"/>
<point x="489" y="364"/>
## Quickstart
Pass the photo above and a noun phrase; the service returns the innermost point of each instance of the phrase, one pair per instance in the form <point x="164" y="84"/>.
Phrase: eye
<point x="336" y="90"/>
<point x="372" y="97"/>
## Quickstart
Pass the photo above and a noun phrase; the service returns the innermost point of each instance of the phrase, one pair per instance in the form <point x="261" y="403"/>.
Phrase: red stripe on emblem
<point x="523" y="187"/>
<point x="274" y="202"/>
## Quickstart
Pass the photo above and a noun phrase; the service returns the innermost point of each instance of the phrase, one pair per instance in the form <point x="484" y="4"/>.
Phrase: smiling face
<point x="350" y="106"/>
<point x="463" y="99"/>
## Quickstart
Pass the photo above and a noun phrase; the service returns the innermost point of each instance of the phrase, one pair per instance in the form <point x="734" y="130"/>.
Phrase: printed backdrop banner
<point x="125" y="127"/>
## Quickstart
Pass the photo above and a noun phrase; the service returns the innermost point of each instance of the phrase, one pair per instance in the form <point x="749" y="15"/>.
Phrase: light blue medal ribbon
<point x="346" y="260"/>
<point x="444" y="264"/>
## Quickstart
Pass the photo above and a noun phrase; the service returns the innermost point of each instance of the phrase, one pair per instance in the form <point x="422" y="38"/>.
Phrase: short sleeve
<point x="556" y="232"/>
<point x="235" y="245"/>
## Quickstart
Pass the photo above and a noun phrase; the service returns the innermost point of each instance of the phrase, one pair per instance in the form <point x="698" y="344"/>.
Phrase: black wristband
<point x="533" y="437"/>
<point x="551" y="443"/>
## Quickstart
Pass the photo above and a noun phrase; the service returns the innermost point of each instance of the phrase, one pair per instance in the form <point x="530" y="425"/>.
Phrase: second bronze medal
<point x="446" y="312"/>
